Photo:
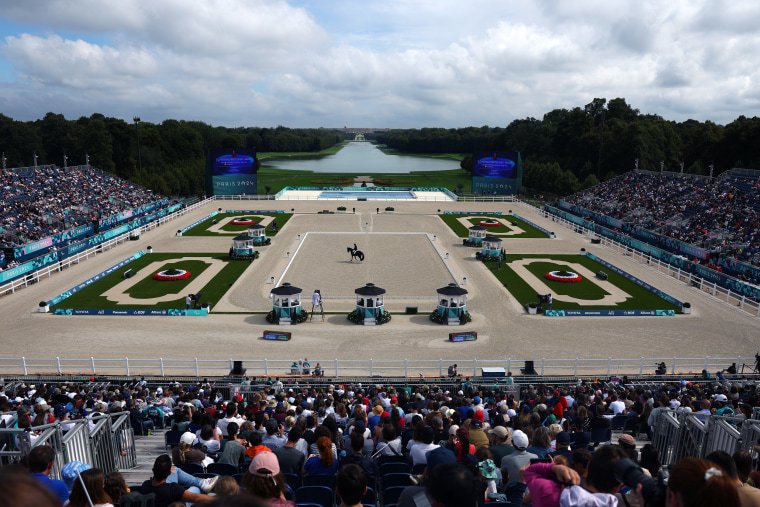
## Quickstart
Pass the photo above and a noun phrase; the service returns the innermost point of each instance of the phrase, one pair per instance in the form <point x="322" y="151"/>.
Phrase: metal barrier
<point x="692" y="436"/>
<point x="666" y="433"/>
<point x="750" y="435"/>
<point x="722" y="435"/>
<point x="678" y="435"/>
<point x="76" y="441"/>
<point x="108" y="445"/>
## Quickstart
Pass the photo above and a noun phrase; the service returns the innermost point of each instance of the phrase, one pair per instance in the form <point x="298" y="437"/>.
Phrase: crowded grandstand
<point x="450" y="442"/>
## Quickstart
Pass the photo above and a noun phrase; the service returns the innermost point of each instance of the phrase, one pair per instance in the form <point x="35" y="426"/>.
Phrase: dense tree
<point x="565" y="150"/>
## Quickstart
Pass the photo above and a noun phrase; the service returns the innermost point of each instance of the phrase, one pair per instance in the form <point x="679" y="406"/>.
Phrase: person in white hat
<point x="512" y="463"/>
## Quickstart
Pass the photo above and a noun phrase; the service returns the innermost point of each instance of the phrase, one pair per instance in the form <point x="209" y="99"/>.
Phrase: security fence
<point x="105" y="442"/>
<point x="678" y="435"/>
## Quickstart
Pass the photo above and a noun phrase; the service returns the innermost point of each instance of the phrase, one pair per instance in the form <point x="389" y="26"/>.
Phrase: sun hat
<point x="187" y="438"/>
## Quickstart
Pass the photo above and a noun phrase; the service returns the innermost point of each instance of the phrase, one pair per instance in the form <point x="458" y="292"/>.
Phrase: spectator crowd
<point x="418" y="445"/>
<point x="721" y="216"/>
<point x="39" y="202"/>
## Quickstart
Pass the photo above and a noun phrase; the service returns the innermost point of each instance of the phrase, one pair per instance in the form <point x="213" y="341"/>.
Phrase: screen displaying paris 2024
<point x="231" y="172"/>
<point x="497" y="172"/>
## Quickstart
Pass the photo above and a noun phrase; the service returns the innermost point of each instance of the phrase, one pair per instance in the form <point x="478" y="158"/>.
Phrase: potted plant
<point x="389" y="209"/>
<point x="43" y="308"/>
<point x="149" y="249"/>
<point x="686" y="308"/>
<point x="532" y="308"/>
<point x="341" y="209"/>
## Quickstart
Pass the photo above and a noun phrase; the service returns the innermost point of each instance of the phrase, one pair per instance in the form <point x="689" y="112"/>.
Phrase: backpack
<point x="154" y="413"/>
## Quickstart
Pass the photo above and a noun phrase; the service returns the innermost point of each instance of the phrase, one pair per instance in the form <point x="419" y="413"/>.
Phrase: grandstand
<point x="721" y="216"/>
<point x="39" y="202"/>
<point x="102" y="354"/>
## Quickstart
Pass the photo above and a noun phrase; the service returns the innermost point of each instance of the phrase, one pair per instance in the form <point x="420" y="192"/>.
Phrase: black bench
<point x="601" y="275"/>
<point x="128" y="273"/>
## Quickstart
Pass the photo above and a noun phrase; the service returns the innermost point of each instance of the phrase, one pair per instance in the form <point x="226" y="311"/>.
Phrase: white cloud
<point x="394" y="63"/>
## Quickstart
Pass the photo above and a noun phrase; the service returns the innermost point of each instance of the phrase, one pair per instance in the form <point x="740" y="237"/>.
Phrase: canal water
<point x="361" y="158"/>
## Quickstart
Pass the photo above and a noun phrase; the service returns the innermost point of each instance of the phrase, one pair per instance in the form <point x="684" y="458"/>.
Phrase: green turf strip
<point x="585" y="289"/>
<point x="463" y="232"/>
<point x="91" y="297"/>
<point x="641" y="298"/>
<point x="235" y="230"/>
<point x="150" y="288"/>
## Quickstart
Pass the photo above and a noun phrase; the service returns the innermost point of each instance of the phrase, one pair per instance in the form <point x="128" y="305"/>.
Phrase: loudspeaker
<point x="411" y="310"/>
<point x="237" y="368"/>
<point x="529" y="369"/>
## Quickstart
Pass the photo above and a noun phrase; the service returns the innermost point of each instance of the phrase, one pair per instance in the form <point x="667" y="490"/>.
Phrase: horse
<point x="355" y="253"/>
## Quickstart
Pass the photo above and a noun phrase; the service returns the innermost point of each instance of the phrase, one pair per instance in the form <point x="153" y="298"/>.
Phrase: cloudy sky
<point x="392" y="63"/>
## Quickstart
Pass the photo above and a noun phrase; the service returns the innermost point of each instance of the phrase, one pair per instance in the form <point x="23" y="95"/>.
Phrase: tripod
<point x="753" y="368"/>
<point x="321" y="311"/>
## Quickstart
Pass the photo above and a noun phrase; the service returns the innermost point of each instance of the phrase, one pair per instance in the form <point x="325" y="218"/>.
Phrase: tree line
<point x="565" y="151"/>
<point x="571" y="149"/>
<point x="172" y="154"/>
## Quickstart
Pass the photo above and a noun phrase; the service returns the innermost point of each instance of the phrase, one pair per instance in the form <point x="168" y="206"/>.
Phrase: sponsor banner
<point x="199" y="221"/>
<point x="596" y="217"/>
<point x="533" y="225"/>
<point x="132" y="312"/>
<point x="30" y="250"/>
<point x="609" y="313"/>
<point x="243" y="211"/>
<point x="472" y="213"/>
<point x="640" y="283"/>
<point x="29" y="267"/>
<point x="94" y="279"/>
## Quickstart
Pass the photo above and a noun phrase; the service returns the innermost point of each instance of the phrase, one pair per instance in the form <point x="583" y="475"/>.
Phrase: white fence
<point x="367" y="367"/>
<point x="747" y="304"/>
<point x="48" y="271"/>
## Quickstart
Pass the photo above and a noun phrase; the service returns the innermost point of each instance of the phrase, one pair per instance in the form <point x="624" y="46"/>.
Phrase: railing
<point x="366" y="367"/>
<point x="48" y="271"/>
<point x="487" y="198"/>
<point x="245" y="197"/>
<point x="678" y="435"/>
<point x="748" y="304"/>
<point x="109" y="445"/>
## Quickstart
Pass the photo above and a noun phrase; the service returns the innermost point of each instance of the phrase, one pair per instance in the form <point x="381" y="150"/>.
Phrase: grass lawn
<point x="91" y="297"/>
<point x="278" y="179"/>
<point x="235" y="230"/>
<point x="460" y="230"/>
<point x="641" y="298"/>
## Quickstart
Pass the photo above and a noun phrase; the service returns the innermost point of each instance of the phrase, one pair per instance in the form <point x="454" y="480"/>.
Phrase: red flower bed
<point x="556" y="277"/>
<point x="489" y="223"/>
<point x="243" y="221"/>
<point x="162" y="276"/>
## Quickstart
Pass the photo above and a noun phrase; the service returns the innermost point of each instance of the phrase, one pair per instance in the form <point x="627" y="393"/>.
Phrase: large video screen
<point x="231" y="172"/>
<point x="496" y="173"/>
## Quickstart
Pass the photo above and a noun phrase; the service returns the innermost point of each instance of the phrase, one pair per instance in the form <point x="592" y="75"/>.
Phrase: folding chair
<point x="222" y="469"/>
<point x="320" y="480"/>
<point x="191" y="468"/>
<point x="318" y="495"/>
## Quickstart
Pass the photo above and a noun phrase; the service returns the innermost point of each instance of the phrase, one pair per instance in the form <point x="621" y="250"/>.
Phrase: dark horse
<point x="355" y="253"/>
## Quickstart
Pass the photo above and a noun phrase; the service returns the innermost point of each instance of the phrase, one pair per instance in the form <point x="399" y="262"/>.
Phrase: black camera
<point x="653" y="490"/>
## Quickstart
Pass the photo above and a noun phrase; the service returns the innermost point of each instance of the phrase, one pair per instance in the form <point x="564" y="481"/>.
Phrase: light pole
<point x="137" y="125"/>
<point x="4" y="159"/>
